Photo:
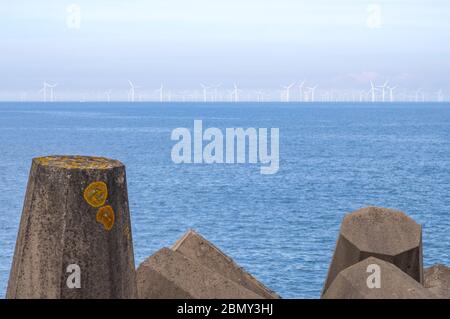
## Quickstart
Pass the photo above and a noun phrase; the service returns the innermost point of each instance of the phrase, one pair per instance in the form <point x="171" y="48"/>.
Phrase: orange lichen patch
<point x="78" y="162"/>
<point x="127" y="233"/>
<point x="105" y="216"/>
<point x="96" y="194"/>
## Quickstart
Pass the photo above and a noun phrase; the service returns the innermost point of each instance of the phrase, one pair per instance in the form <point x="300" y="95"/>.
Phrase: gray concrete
<point x="384" y="233"/>
<point x="351" y="283"/>
<point x="60" y="226"/>
<point x="197" y="248"/>
<point x="437" y="280"/>
<point x="170" y="275"/>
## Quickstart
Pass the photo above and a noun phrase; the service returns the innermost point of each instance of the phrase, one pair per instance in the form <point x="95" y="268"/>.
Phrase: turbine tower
<point x="236" y="92"/>
<point x="301" y="91"/>
<point x="372" y="91"/>
<point x="44" y="90"/>
<point x="391" y="93"/>
<point x="216" y="87"/>
<point x="288" y="90"/>
<point x="383" y="88"/>
<point x="417" y="94"/>
<point x="132" y="92"/>
<point x="161" y="93"/>
<point x="108" y="95"/>
<point x="312" y="90"/>
<point x="205" y="91"/>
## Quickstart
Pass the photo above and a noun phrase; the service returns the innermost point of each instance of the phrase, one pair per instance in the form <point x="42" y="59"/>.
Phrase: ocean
<point x="282" y="228"/>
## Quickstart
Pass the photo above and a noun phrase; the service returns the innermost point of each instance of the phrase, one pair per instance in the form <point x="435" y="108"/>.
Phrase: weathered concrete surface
<point x="351" y="283"/>
<point x="170" y="275"/>
<point x="380" y="232"/>
<point x="437" y="280"/>
<point x="75" y="212"/>
<point x="197" y="248"/>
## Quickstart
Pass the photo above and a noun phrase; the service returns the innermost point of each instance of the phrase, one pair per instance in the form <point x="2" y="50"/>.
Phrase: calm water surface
<point x="282" y="228"/>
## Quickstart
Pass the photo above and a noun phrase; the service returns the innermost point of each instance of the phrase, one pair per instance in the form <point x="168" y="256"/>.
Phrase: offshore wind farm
<point x="307" y="92"/>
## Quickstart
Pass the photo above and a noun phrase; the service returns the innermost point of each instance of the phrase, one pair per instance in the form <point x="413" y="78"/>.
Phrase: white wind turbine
<point x="301" y="91"/>
<point x="391" y="92"/>
<point x="108" y="95"/>
<point x="205" y="92"/>
<point x="216" y="88"/>
<point x="288" y="90"/>
<point x="161" y="93"/>
<point x="260" y="96"/>
<point x="372" y="91"/>
<point x="383" y="90"/>
<point x="312" y="90"/>
<point x="417" y="94"/>
<point x="440" y="96"/>
<point x="236" y="92"/>
<point x="132" y="92"/>
<point x="44" y="90"/>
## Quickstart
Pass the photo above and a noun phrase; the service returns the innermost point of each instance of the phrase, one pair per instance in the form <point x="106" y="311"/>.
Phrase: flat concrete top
<point x="381" y="230"/>
<point x="77" y="162"/>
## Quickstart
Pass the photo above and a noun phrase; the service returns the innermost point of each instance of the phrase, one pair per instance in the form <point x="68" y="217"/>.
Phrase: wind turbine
<point x="205" y="88"/>
<point x="301" y="91"/>
<point x="373" y="90"/>
<point x="132" y="91"/>
<point x="288" y="89"/>
<point x="44" y="90"/>
<point x="417" y="94"/>
<point x="383" y="88"/>
<point x="216" y="87"/>
<point x="312" y="90"/>
<point x="161" y="93"/>
<point x="440" y="96"/>
<point x="108" y="95"/>
<point x="236" y="92"/>
<point x="391" y="92"/>
<point x="260" y="95"/>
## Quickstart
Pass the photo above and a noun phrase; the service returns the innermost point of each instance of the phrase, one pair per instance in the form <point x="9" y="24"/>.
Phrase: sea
<point x="282" y="228"/>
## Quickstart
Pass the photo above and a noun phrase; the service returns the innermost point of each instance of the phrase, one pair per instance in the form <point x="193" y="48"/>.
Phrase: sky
<point x="90" y="45"/>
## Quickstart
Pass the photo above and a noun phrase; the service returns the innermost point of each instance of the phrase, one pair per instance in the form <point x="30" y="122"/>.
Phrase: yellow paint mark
<point x="96" y="194"/>
<point x="105" y="216"/>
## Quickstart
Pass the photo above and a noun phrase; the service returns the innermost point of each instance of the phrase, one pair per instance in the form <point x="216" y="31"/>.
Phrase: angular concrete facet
<point x="352" y="283"/>
<point x="197" y="248"/>
<point x="75" y="225"/>
<point x="170" y="275"/>
<point x="384" y="233"/>
<point x="437" y="280"/>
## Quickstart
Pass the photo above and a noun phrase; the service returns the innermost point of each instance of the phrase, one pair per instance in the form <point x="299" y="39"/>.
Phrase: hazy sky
<point x="335" y="43"/>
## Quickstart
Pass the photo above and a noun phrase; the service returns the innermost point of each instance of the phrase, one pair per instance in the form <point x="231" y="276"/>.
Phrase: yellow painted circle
<point x="105" y="216"/>
<point x="96" y="194"/>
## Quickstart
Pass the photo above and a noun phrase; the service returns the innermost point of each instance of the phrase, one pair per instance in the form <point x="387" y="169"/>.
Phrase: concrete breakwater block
<point x="437" y="280"/>
<point x="360" y="282"/>
<point x="384" y="233"/>
<point x="74" y="239"/>
<point x="197" y="248"/>
<point x="170" y="275"/>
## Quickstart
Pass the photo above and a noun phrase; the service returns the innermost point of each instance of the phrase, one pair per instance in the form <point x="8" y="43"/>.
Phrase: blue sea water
<point x="334" y="158"/>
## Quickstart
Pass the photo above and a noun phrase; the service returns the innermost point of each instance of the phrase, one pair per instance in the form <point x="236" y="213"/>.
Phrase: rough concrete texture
<point x="384" y="233"/>
<point x="170" y="275"/>
<point x="197" y="248"/>
<point x="351" y="283"/>
<point x="437" y="280"/>
<point x="61" y="226"/>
